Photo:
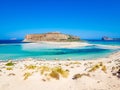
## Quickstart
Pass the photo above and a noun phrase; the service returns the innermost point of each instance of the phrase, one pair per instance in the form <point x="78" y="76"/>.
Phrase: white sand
<point x="67" y="44"/>
<point x="56" y="44"/>
<point x="98" y="80"/>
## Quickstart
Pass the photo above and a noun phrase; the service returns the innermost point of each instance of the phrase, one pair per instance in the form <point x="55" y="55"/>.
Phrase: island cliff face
<point x="52" y="36"/>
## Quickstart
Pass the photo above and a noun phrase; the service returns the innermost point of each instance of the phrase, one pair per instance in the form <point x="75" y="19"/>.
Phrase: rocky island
<point x="108" y="38"/>
<point x="52" y="36"/>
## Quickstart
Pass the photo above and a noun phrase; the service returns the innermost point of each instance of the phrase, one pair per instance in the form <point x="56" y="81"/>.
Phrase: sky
<point x="88" y="19"/>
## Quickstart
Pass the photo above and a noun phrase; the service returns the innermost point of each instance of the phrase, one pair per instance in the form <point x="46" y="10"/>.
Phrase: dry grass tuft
<point x="9" y="68"/>
<point x="44" y="69"/>
<point x="30" y="67"/>
<point x="104" y="69"/>
<point x="26" y="75"/>
<point x="76" y="76"/>
<point x="55" y="75"/>
<point x="98" y="66"/>
<point x="63" y="73"/>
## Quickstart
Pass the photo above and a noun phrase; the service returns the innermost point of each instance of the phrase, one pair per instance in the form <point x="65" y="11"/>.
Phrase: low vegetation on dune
<point x="9" y="68"/>
<point x="57" y="72"/>
<point x="26" y="75"/>
<point x="10" y="63"/>
<point x="55" y="75"/>
<point x="93" y="68"/>
<point x="104" y="69"/>
<point x="53" y="72"/>
<point x="61" y="71"/>
<point x="98" y="66"/>
<point x="11" y="74"/>
<point x="30" y="67"/>
<point x="44" y="69"/>
<point x="76" y="76"/>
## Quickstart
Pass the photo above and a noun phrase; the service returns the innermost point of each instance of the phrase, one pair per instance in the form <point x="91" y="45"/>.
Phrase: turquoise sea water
<point x="17" y="50"/>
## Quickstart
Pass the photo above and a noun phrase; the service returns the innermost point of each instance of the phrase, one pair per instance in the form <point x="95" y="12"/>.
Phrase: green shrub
<point x="10" y="63"/>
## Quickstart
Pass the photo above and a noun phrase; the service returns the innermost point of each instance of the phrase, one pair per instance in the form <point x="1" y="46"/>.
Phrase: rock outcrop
<point x="52" y="36"/>
<point x="108" y="38"/>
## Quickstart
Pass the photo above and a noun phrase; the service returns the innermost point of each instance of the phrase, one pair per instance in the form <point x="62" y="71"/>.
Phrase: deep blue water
<point x="10" y="41"/>
<point x="111" y="42"/>
<point x="16" y="49"/>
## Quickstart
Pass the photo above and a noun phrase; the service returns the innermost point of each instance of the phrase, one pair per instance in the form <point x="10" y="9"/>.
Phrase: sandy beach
<point x="31" y="74"/>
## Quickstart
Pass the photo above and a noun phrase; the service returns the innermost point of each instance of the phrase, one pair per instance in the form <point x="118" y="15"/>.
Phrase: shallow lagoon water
<point x="41" y="51"/>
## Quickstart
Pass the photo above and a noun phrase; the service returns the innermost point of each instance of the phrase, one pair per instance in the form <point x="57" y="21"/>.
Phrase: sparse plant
<point x="9" y="68"/>
<point x="97" y="66"/>
<point x="10" y="63"/>
<point x="76" y="62"/>
<point x="44" y="69"/>
<point x="26" y="75"/>
<point x="55" y="75"/>
<point x="100" y="63"/>
<point x="30" y="67"/>
<point x="94" y="68"/>
<point x="104" y="69"/>
<point x="76" y="76"/>
<point x="11" y="74"/>
<point x="63" y="73"/>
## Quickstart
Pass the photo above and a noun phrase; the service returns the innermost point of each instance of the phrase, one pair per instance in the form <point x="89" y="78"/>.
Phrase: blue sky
<point x="85" y="18"/>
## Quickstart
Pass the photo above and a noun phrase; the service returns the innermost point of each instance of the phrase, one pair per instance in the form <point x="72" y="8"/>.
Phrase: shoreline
<point x="43" y="59"/>
<point x="33" y="74"/>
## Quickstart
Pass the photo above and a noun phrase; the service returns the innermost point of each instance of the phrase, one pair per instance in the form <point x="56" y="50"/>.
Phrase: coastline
<point x="12" y="77"/>
<point x="69" y="59"/>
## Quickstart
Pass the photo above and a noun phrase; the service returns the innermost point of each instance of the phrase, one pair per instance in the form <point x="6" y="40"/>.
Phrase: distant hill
<point x="52" y="36"/>
<point x="108" y="38"/>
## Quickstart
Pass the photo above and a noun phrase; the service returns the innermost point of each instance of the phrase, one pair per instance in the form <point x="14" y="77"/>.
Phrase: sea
<point x="18" y="50"/>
